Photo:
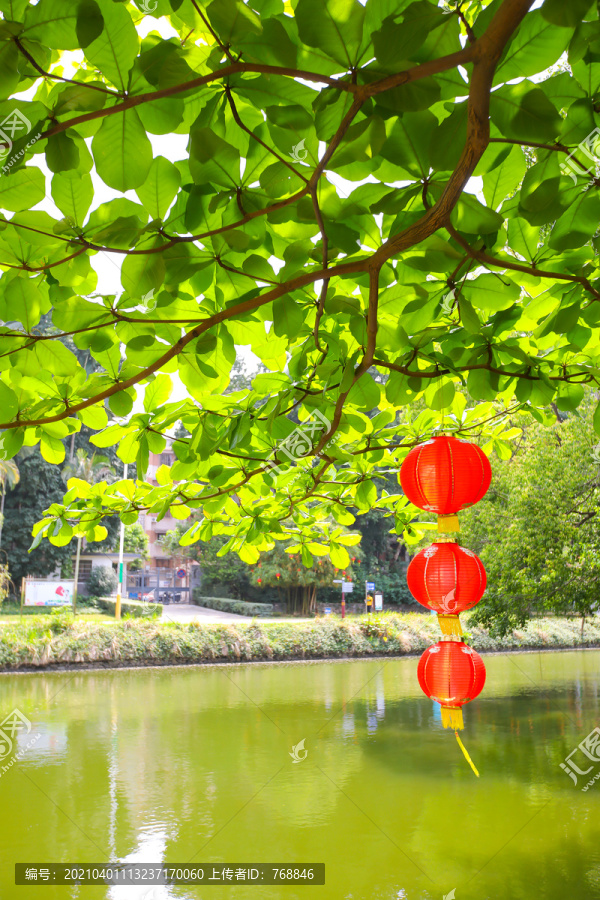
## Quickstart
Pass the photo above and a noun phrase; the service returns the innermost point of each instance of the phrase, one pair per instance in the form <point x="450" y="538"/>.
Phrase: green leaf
<point x="339" y="556"/>
<point x="62" y="153"/>
<point x="160" y="187"/>
<point x="144" y="273"/>
<point x="401" y="39"/>
<point x="9" y="405"/>
<point x="90" y="22"/>
<point x="157" y="392"/>
<point x="232" y="19"/>
<point x="524" y="113"/>
<point x="287" y="317"/>
<point x="9" y="73"/>
<point x="409" y="140"/>
<point x="335" y="27"/>
<point x="577" y="224"/>
<point x="22" y="301"/>
<point x="596" y="419"/>
<point x="121" y="403"/>
<point x="505" y="178"/>
<point x="473" y="217"/>
<point x="567" y="15"/>
<point x="73" y="194"/>
<point x="534" y="47"/>
<point x="366" y="495"/>
<point x="122" y="151"/>
<point x="52" y="449"/>
<point x="439" y="394"/>
<point x="482" y="384"/>
<point x="365" y="394"/>
<point x="213" y="159"/>
<point x="115" y="49"/>
<point x="22" y="189"/>
<point x="491" y="292"/>
<point x="53" y="23"/>
<point x="569" y="396"/>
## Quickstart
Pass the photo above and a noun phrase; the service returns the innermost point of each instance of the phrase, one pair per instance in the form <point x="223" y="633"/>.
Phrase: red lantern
<point x="444" y="475"/>
<point x="452" y="674"/>
<point x="447" y="579"/>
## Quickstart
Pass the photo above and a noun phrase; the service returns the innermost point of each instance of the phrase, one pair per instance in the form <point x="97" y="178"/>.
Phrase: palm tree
<point x="9" y="475"/>
<point x="91" y="469"/>
<point x="88" y="468"/>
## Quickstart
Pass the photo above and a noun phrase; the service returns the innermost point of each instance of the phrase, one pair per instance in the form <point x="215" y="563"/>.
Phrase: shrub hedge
<point x="45" y="641"/>
<point x="226" y="604"/>
<point x="130" y="607"/>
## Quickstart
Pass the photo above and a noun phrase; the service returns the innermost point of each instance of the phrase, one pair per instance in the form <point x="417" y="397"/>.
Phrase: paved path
<point x="189" y="612"/>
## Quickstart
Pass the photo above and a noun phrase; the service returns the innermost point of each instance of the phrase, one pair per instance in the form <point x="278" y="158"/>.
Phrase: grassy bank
<point x="58" y="640"/>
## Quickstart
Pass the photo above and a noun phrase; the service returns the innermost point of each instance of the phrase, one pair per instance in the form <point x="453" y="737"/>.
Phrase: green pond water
<point x="193" y="764"/>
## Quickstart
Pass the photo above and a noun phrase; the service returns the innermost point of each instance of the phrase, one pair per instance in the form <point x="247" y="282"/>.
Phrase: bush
<point x="130" y="607"/>
<point x="59" y="640"/>
<point x="102" y="582"/>
<point x="226" y="604"/>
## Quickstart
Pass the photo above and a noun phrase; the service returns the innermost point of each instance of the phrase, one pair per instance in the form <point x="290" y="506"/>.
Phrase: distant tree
<point x="136" y="541"/>
<point x="9" y="477"/>
<point x="297" y="583"/>
<point x="40" y="485"/>
<point x="538" y="528"/>
<point x="102" y="582"/>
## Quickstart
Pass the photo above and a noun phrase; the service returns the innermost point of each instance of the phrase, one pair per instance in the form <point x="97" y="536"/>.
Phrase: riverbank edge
<point x="54" y="645"/>
<point x="205" y="664"/>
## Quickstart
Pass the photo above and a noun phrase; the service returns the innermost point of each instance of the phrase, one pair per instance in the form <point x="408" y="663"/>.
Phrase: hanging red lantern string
<point x="444" y="475"/>
<point x="447" y="579"/>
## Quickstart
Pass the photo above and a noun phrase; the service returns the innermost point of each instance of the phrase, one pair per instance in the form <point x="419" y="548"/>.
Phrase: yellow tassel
<point x="449" y="624"/>
<point x="448" y="523"/>
<point x="452" y="717"/>
<point x="466" y="755"/>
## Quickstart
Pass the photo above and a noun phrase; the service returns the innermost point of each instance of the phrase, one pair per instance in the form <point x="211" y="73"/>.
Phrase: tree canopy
<point x="378" y="200"/>
<point x="538" y="530"/>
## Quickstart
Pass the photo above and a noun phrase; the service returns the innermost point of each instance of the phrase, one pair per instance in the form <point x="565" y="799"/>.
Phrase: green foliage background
<point x="537" y="530"/>
<point x="319" y="216"/>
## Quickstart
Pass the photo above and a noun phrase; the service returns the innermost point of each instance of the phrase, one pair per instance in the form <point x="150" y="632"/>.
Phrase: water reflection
<point x="193" y="764"/>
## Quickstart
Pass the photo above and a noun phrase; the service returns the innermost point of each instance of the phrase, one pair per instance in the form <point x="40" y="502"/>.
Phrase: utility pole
<point x="76" y="580"/>
<point x="121" y="544"/>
